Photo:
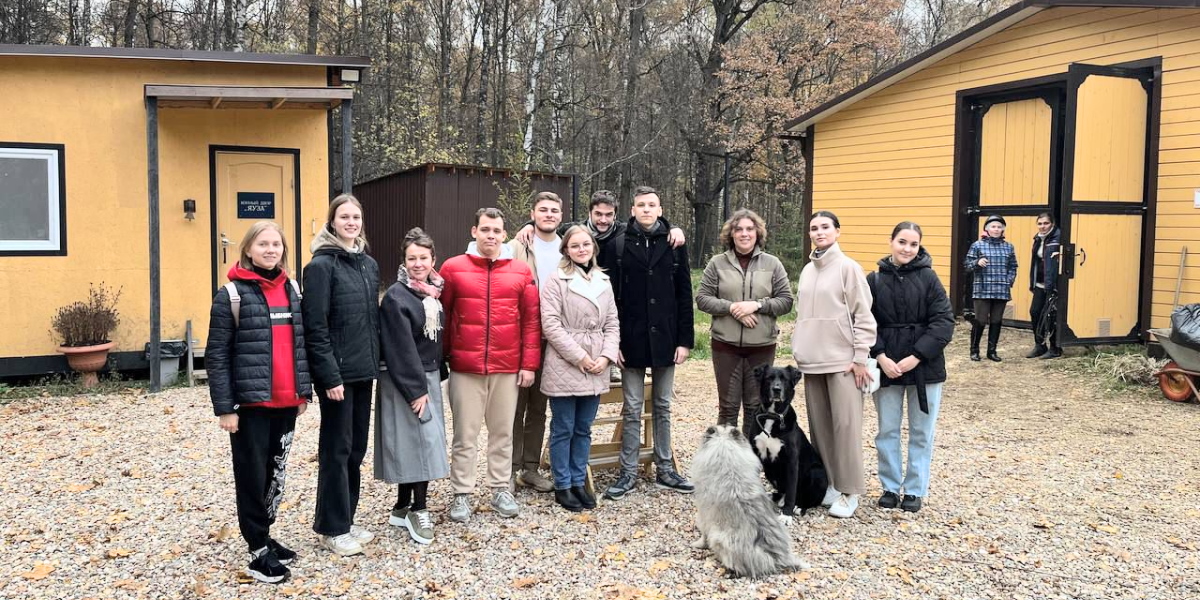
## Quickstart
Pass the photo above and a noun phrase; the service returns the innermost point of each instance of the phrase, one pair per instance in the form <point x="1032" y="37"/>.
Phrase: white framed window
<point x="32" y="200"/>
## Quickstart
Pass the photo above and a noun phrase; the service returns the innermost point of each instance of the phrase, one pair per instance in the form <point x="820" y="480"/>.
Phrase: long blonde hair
<point x="566" y="264"/>
<point x="252" y="234"/>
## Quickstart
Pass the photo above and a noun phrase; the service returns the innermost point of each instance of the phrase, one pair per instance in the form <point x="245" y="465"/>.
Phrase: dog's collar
<point x="763" y="416"/>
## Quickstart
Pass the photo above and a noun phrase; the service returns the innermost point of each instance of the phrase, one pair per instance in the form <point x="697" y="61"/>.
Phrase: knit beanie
<point x="996" y="218"/>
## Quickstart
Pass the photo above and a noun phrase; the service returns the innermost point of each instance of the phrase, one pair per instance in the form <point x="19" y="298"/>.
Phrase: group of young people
<point x="523" y="325"/>
<point x="538" y="322"/>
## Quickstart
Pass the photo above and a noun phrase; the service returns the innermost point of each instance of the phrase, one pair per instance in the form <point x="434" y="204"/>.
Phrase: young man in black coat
<point x="654" y="297"/>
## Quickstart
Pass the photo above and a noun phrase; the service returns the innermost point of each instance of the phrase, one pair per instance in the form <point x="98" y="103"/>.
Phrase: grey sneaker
<point x="623" y="485"/>
<point x="505" y="505"/>
<point x="670" y="480"/>
<point x="460" y="509"/>
<point x="420" y="526"/>
<point x="531" y="478"/>
<point x="399" y="517"/>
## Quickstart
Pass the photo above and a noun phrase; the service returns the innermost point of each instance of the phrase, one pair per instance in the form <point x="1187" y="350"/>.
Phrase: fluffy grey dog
<point x="736" y="517"/>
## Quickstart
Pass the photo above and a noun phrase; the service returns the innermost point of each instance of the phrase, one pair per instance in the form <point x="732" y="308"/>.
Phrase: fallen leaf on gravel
<point x="1043" y="524"/>
<point x="525" y="582"/>
<point x="659" y="567"/>
<point x="613" y="553"/>
<point x="1105" y="528"/>
<point x="802" y="575"/>
<point x="621" y="591"/>
<point x="118" y="553"/>
<point x="639" y="534"/>
<point x="82" y="487"/>
<point x="904" y="574"/>
<point x="39" y="571"/>
<point x="129" y="584"/>
<point x="584" y="518"/>
<point x="221" y="534"/>
<point x="1118" y="475"/>
<point x="200" y="587"/>
<point x="515" y="545"/>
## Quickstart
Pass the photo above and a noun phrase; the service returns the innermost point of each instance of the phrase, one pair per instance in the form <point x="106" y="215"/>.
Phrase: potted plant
<point x="85" y="328"/>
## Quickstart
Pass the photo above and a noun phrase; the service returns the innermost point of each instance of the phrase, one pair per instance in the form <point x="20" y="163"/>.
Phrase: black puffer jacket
<point x="914" y="318"/>
<point x="341" y="311"/>
<point x="238" y="359"/>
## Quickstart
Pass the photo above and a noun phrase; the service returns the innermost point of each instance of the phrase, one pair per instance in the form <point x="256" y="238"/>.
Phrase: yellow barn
<point x="142" y="169"/>
<point x="1087" y="110"/>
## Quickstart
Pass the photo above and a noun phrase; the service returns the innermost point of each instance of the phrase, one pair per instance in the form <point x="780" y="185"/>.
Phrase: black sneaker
<point x="1052" y="353"/>
<point x="284" y="555"/>
<point x="910" y="503"/>
<point x="670" y="480"/>
<point x="586" y="500"/>
<point x="566" y="499"/>
<point x="889" y="500"/>
<point x="623" y="485"/>
<point x="265" y="567"/>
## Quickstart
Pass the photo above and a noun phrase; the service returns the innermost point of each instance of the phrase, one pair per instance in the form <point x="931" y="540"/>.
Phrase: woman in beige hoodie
<point x="831" y="343"/>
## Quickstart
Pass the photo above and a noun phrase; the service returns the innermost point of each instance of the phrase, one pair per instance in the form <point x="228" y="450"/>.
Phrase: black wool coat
<point x="407" y="352"/>
<point x="653" y="285"/>
<point x="914" y="318"/>
<point x="238" y="358"/>
<point x="341" y="311"/>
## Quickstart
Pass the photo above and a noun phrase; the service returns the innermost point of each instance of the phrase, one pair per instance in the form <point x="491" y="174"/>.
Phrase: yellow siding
<point x="913" y="120"/>
<point x="95" y="108"/>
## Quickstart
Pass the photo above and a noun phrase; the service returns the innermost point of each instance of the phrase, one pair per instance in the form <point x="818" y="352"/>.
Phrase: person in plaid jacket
<point x="993" y="261"/>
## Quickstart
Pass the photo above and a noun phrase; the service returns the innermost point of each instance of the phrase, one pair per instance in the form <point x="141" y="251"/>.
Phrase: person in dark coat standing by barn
<point x="654" y="301"/>
<point x="259" y="383"/>
<point x="1043" y="282"/>
<point x="341" y="309"/>
<point x="915" y="322"/>
<point x="410" y="429"/>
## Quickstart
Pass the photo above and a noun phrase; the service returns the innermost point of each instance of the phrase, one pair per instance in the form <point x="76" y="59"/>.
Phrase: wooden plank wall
<point x="889" y="157"/>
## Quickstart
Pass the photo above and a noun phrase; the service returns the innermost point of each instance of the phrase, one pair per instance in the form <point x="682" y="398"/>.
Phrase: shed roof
<point x="432" y="166"/>
<point x="1002" y="20"/>
<point x="357" y="62"/>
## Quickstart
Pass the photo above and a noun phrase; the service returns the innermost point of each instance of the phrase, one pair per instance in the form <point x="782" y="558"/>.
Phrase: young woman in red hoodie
<point x="259" y="383"/>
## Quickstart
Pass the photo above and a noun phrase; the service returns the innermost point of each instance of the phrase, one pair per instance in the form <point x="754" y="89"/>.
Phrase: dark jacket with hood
<point x="1045" y="270"/>
<point x="247" y="363"/>
<point x="341" y="312"/>
<point x="653" y="286"/>
<point x="914" y="318"/>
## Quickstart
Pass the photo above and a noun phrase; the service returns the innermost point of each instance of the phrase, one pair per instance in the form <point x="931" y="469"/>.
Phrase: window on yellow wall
<point x="32" y="202"/>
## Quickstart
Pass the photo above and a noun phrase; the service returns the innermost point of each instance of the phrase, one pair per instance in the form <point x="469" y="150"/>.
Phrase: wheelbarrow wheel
<point x="1175" y="386"/>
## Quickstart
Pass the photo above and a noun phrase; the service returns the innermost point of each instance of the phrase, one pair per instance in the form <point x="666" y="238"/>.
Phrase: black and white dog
<point x="789" y="461"/>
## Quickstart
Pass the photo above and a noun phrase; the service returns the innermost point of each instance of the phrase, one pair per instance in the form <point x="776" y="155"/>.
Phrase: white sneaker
<point x="460" y="508"/>
<point x="844" y="506"/>
<point x="342" y="545"/>
<point x="831" y="495"/>
<point x="360" y="535"/>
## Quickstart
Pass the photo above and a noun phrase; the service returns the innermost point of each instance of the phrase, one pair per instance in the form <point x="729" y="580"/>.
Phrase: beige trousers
<point x="835" y="416"/>
<point x="474" y="401"/>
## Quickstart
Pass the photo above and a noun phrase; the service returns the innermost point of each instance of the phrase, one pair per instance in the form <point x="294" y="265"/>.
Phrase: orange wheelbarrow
<point x="1179" y="376"/>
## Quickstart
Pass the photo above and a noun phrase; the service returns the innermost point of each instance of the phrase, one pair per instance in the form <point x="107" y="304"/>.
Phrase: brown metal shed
<point x="442" y="199"/>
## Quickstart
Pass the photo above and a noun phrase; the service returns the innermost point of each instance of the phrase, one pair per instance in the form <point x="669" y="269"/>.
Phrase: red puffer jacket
<point x="493" y="321"/>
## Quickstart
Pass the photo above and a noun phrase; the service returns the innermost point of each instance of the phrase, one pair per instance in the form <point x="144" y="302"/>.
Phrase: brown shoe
<point x="532" y="479"/>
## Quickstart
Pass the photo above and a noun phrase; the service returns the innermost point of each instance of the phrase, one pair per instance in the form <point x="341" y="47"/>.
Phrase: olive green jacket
<point x="724" y="283"/>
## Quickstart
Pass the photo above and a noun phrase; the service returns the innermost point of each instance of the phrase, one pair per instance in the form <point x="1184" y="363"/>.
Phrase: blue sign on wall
<point x="256" y="205"/>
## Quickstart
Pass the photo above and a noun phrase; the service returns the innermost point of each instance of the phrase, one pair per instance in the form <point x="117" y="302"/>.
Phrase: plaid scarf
<point x="428" y="292"/>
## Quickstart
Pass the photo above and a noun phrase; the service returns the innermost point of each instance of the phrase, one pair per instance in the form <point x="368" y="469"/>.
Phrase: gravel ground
<point x="1045" y="485"/>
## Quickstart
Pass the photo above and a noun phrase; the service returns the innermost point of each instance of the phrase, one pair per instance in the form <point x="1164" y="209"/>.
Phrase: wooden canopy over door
<point x="1105" y="198"/>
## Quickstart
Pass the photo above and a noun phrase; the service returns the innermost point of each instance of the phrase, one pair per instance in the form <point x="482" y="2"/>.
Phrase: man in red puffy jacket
<point x="493" y="341"/>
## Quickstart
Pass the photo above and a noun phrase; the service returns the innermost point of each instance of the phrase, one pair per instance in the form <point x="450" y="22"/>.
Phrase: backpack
<point x="235" y="300"/>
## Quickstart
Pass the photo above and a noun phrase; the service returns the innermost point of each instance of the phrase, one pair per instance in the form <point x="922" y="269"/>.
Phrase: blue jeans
<point x="571" y="438"/>
<point x="889" y="405"/>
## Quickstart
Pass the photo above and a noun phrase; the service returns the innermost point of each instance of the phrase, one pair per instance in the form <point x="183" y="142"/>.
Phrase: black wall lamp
<point x="189" y="209"/>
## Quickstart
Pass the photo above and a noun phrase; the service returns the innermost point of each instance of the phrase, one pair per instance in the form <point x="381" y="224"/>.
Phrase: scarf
<point x="428" y="292"/>
<point x="600" y="237"/>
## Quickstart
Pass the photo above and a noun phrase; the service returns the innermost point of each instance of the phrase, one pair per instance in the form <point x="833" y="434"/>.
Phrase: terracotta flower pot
<point x="87" y="360"/>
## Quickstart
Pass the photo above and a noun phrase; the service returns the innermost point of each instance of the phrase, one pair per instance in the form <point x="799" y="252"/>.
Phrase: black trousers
<point x="1035" y="312"/>
<point x="345" y="429"/>
<point x="260" y="451"/>
<point x="989" y="312"/>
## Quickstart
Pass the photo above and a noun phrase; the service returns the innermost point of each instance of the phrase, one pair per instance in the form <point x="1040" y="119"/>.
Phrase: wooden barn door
<point x="1015" y="176"/>
<point x="1105" y="199"/>
<point x="249" y="187"/>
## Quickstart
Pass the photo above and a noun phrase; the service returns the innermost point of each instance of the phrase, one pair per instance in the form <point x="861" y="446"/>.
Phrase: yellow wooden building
<point x="142" y="169"/>
<point x="1088" y="110"/>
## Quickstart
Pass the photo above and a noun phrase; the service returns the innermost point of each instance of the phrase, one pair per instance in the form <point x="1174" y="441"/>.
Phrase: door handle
<point x="225" y="243"/>
<point x="1083" y="257"/>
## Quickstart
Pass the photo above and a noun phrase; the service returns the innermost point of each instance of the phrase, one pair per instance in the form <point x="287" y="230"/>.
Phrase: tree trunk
<point x="314" y="20"/>
<point x="130" y="23"/>
<point x="445" y="49"/>
<point x="545" y="22"/>
<point x="481" y="102"/>
<point x="637" y="22"/>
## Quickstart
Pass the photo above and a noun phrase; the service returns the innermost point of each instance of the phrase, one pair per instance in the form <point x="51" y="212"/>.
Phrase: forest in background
<point x="668" y="93"/>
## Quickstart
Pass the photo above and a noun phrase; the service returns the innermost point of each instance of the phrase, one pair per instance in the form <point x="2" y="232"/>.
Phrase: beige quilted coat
<point x="579" y="319"/>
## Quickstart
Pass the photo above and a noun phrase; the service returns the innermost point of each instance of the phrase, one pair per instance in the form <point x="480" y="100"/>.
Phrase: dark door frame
<point x="971" y="106"/>
<point x="213" y="149"/>
<point x="1149" y="73"/>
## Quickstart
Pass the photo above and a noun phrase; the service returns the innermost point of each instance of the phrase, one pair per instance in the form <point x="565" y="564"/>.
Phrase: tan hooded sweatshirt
<point x="834" y="324"/>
